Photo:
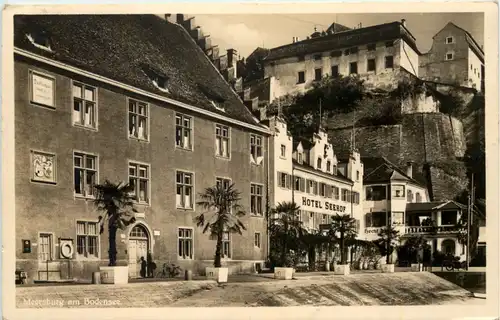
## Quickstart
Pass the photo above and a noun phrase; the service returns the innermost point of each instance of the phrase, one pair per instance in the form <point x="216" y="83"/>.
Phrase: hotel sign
<point x="322" y="205"/>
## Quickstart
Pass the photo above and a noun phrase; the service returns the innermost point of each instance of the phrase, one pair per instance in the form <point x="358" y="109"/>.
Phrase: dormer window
<point x="158" y="79"/>
<point x="328" y="165"/>
<point x="299" y="158"/>
<point x="40" y="40"/>
<point x="217" y="106"/>
<point x="335" y="169"/>
<point x="319" y="163"/>
<point x="161" y="83"/>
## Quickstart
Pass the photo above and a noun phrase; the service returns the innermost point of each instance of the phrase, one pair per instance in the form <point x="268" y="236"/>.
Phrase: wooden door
<point x="132" y="259"/>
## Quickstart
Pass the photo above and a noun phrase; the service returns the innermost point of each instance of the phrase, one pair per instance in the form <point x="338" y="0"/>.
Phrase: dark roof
<point x="337" y="27"/>
<point x="430" y="206"/>
<point x="125" y="47"/>
<point x="259" y="52"/>
<point x="260" y="88"/>
<point x="345" y="39"/>
<point x="380" y="169"/>
<point x="338" y="176"/>
<point x="306" y="143"/>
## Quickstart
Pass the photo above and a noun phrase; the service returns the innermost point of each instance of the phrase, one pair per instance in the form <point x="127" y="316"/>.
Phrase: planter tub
<point x="342" y="269"/>
<point x="388" y="268"/>
<point x="283" y="273"/>
<point x="417" y="267"/>
<point x="217" y="274"/>
<point x="114" y="275"/>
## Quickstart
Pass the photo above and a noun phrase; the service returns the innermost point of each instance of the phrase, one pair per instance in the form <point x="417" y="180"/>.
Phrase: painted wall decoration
<point x="42" y="89"/>
<point x="43" y="167"/>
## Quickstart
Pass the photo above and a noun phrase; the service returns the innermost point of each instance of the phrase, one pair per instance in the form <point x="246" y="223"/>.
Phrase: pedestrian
<point x="151" y="265"/>
<point x="143" y="267"/>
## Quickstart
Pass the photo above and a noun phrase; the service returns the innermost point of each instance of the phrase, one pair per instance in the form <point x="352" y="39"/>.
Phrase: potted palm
<point x="221" y="203"/>
<point x="388" y="240"/>
<point x="286" y="231"/>
<point x="343" y="227"/>
<point x="117" y="203"/>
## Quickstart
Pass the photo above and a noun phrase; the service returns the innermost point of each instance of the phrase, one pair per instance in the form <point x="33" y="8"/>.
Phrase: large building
<point x="454" y="58"/>
<point x="127" y="98"/>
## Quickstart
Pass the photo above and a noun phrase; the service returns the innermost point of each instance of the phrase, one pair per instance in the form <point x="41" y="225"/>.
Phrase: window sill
<point x="82" y="197"/>
<point x="184" y="259"/>
<point x="183" y="149"/>
<point x="142" y="203"/>
<point x="184" y="209"/>
<point x="81" y="126"/>
<point x="138" y="139"/>
<point x="255" y="215"/>
<point x="44" y="182"/>
<point x="228" y="158"/>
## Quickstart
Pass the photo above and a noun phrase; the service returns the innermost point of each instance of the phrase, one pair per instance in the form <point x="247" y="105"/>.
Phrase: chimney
<point x="409" y="169"/>
<point x="293" y="40"/>
<point x="403" y="22"/>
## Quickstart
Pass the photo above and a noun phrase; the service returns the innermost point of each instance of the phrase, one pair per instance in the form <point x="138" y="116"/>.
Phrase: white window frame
<point x="452" y="56"/>
<point x="182" y="206"/>
<point x="300" y="158"/>
<point x="183" y="129"/>
<point x="85" y="255"/>
<point x="229" y="256"/>
<point x="84" y="155"/>
<point x="254" y="196"/>
<point x="51" y="246"/>
<point x="224" y="180"/>
<point x="257" y="240"/>
<point x="183" y="239"/>
<point x="84" y="101"/>
<point x="452" y="40"/>
<point x="336" y="195"/>
<point x="256" y="148"/>
<point x="38" y="45"/>
<point x="138" y="165"/>
<point x="283" y="151"/>
<point x="54" y="88"/>
<point x="137" y="116"/>
<point x="219" y="129"/>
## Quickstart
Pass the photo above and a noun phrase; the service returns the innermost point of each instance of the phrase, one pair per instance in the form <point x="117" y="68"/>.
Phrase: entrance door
<point x="138" y="245"/>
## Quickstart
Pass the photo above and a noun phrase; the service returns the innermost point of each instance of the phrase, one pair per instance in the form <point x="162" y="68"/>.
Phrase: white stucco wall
<point x="474" y="65"/>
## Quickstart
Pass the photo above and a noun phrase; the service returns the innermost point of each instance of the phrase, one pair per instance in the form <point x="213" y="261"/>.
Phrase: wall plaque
<point x="42" y="90"/>
<point x="43" y="167"/>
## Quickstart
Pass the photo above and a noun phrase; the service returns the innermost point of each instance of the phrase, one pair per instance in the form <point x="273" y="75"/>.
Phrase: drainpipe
<point x="268" y="250"/>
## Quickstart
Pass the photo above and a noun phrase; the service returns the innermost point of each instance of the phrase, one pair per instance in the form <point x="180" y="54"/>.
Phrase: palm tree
<point x="388" y="240"/>
<point x="222" y="203"/>
<point x="312" y="241"/>
<point x="344" y="229"/>
<point x="286" y="230"/>
<point x="117" y="202"/>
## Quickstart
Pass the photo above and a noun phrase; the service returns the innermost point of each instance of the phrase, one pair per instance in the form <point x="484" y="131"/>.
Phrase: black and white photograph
<point x="250" y="159"/>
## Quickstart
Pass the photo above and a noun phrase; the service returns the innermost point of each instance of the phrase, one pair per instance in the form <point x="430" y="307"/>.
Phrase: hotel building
<point x="127" y="98"/>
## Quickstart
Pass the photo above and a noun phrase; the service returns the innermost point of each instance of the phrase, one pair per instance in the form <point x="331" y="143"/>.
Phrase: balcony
<point x="430" y="229"/>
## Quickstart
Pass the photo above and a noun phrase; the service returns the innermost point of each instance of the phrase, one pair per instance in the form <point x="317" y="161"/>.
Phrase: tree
<point x="222" y="203"/>
<point x="343" y="228"/>
<point x="286" y="231"/>
<point x="117" y="202"/>
<point x="388" y="240"/>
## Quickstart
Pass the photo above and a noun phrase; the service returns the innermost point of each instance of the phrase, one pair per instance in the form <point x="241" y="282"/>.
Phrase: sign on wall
<point x="43" y="167"/>
<point x="42" y="90"/>
<point x="322" y="205"/>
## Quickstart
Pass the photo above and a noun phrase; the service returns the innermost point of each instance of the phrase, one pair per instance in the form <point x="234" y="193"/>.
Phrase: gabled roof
<point x="337" y="27"/>
<point x="344" y="39"/>
<point x="470" y="39"/>
<point x="307" y="144"/>
<point x="381" y="170"/>
<point x="120" y="46"/>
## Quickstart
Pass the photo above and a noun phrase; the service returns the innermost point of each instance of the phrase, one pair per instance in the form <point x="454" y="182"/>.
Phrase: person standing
<point x="143" y="267"/>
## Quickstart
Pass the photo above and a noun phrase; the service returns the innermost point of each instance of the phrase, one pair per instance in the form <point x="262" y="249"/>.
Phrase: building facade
<point x="454" y="58"/>
<point x="125" y="98"/>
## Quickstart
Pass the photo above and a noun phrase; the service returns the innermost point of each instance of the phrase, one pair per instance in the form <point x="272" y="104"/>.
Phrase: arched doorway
<point x="448" y="247"/>
<point x="138" y="246"/>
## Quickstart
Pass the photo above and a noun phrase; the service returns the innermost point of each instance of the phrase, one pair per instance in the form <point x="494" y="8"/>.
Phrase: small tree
<point x="286" y="231"/>
<point x="222" y="203"/>
<point x="117" y="202"/>
<point x="343" y="228"/>
<point x="388" y="240"/>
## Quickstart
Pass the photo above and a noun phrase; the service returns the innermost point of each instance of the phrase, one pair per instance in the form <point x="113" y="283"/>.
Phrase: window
<point x="357" y="175"/>
<point x="398" y="191"/>
<point x="226" y="245"/>
<point x="335" y="71"/>
<point x="449" y="56"/>
<point x="312" y="221"/>
<point x="138" y="175"/>
<point x="183" y="132"/>
<point x="184" y="182"/>
<point x="322" y="189"/>
<point x="336" y="54"/>
<point x="222" y="141"/>
<point x="85" y="174"/>
<point x="42" y="89"/>
<point x="185" y="243"/>
<point x="345" y="195"/>
<point x="334" y="169"/>
<point x="335" y="193"/>
<point x="84" y="106"/>
<point x="312" y="187"/>
<point x="87" y="241"/>
<point x="256" y="149"/>
<point x="355" y="197"/>
<point x="138" y="120"/>
<point x="256" y="200"/>
<point x="409" y="196"/>
<point x="45" y="247"/>
<point x="389" y="44"/>
<point x="370" y="65"/>
<point x="353" y="68"/>
<point x="389" y="62"/>
<point x="40" y="39"/>
<point x="449" y="40"/>
<point x="397" y="218"/>
<point x="160" y="82"/>
<point x="328" y="165"/>
<point x="299" y="184"/>
<point x="324" y="219"/>
<point x="223" y="182"/>
<point x="449" y="218"/>
<point x="284" y="180"/>
<point x="371" y="47"/>
<point x="318" y="163"/>
<point x="317" y="74"/>
<point x="299" y="156"/>
<point x="301" y="77"/>
<point x="418" y="197"/>
<point x="256" y="241"/>
<point x="376" y="219"/>
<point x="283" y="151"/>
<point x="376" y="193"/>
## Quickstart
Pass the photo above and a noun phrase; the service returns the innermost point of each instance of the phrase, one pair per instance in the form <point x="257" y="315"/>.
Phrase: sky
<point x="247" y="32"/>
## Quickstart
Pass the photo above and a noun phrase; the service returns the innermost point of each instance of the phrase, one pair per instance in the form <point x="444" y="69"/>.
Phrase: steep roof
<point x="337" y="27"/>
<point x="344" y="39"/>
<point x="338" y="176"/>
<point x="127" y="47"/>
<point x="381" y="170"/>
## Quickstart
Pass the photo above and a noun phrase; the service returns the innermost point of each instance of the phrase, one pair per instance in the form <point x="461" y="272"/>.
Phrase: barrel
<point x="188" y="275"/>
<point x="96" y="277"/>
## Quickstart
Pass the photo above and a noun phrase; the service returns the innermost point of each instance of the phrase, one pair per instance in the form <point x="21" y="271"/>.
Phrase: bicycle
<point x="169" y="271"/>
<point x="454" y="263"/>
